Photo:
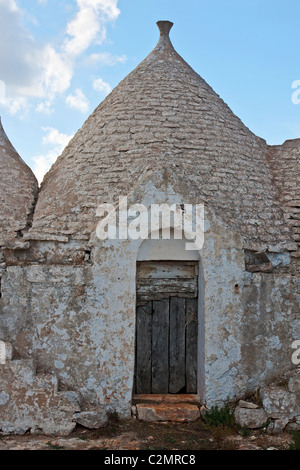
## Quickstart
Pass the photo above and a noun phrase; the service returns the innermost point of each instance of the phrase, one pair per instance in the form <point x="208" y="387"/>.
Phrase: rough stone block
<point x="280" y="425"/>
<point x="92" y="419"/>
<point x="163" y="412"/>
<point x="278" y="403"/>
<point x="250" y="418"/>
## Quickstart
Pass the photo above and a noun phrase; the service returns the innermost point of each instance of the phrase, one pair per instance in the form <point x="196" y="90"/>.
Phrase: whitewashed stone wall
<point x="79" y="320"/>
<point x="271" y="323"/>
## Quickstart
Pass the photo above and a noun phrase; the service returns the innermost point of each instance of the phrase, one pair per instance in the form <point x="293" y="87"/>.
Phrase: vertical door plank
<point x="191" y="345"/>
<point x="160" y="346"/>
<point x="177" y="345"/>
<point x="143" y="348"/>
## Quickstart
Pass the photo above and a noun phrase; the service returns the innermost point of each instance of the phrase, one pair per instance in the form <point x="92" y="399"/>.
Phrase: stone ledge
<point x="160" y="398"/>
<point x="179" y="412"/>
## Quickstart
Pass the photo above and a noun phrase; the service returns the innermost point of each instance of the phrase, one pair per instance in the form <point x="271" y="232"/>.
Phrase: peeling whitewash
<point x="79" y="321"/>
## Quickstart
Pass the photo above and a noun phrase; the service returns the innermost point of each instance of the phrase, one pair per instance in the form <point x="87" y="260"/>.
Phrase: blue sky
<point x="59" y="59"/>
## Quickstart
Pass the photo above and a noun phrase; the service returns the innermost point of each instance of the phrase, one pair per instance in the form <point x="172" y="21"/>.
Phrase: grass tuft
<point x="220" y="417"/>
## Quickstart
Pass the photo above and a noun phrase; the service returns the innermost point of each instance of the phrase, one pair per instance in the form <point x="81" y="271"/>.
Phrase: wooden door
<point x="166" y="327"/>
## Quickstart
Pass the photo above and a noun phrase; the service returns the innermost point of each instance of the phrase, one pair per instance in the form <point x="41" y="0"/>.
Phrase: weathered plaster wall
<point x="30" y="402"/>
<point x="75" y="322"/>
<point x="79" y="320"/>
<point x="271" y="323"/>
<point x="223" y="272"/>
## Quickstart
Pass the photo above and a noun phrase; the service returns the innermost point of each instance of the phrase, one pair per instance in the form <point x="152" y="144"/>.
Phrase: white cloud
<point x="56" y="142"/>
<point x="109" y="7"/>
<point x="55" y="138"/>
<point x="105" y="58"/>
<point x="102" y="86"/>
<point x="42" y="164"/>
<point x="83" y="30"/>
<point x="12" y="105"/>
<point x="88" y="26"/>
<point x="34" y="71"/>
<point x="58" y="71"/>
<point x="78" y="101"/>
<point x="11" y="3"/>
<point x="45" y="107"/>
<point x="18" y="50"/>
<point x="15" y="105"/>
<point x="2" y="91"/>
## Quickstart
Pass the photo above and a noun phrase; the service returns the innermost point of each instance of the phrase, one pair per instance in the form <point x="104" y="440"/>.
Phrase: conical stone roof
<point x="163" y="114"/>
<point x="18" y="191"/>
<point x="285" y="165"/>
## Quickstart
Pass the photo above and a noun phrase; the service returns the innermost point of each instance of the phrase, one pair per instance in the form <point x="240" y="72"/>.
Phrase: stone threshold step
<point x="159" y="398"/>
<point x="162" y="412"/>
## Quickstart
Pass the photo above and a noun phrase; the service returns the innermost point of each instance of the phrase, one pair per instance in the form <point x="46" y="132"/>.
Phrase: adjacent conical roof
<point x="285" y="165"/>
<point x="18" y="190"/>
<point x="163" y="114"/>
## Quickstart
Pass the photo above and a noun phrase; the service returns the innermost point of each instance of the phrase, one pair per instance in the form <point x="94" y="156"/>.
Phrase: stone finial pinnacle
<point x="164" y="28"/>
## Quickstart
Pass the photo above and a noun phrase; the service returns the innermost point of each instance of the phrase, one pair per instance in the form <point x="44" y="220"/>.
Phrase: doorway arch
<point x="169" y="343"/>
